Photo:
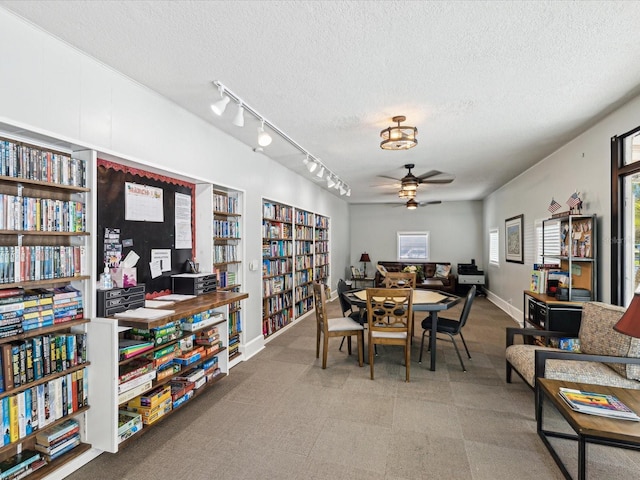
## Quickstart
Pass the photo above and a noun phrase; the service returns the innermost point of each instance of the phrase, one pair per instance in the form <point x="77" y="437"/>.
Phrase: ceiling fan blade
<point x="390" y="178"/>
<point x="434" y="202"/>
<point x="438" y="180"/>
<point x="429" y="174"/>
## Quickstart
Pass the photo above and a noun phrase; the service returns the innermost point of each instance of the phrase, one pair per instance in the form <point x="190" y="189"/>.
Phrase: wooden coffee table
<point x="588" y="428"/>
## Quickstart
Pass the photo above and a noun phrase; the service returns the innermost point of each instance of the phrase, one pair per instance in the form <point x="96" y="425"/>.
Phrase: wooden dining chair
<point x="400" y="280"/>
<point x="390" y="312"/>
<point x="334" y="327"/>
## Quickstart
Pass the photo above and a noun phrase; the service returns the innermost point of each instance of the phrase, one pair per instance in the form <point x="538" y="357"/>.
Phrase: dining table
<point x="432" y="301"/>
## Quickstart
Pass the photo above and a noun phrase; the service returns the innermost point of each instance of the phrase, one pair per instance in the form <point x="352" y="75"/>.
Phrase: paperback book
<point x="597" y="404"/>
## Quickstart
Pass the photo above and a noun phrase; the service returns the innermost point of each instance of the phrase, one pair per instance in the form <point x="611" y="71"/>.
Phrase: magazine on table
<point x="597" y="404"/>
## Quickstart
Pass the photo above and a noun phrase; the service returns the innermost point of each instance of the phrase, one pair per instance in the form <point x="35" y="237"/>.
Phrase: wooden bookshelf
<point x="277" y="266"/>
<point x="44" y="225"/>
<point x="108" y="364"/>
<point x="304" y="249"/>
<point x="322" y="258"/>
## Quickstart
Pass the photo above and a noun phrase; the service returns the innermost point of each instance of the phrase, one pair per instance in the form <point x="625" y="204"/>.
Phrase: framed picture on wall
<point x="514" y="238"/>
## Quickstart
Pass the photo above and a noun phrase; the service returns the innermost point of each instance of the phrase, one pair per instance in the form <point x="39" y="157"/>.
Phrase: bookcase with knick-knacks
<point x="569" y="273"/>
<point x="304" y="249"/>
<point x="45" y="215"/>
<point x="277" y="266"/>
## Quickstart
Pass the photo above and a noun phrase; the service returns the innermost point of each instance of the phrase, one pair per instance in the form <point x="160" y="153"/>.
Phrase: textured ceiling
<point x="493" y="87"/>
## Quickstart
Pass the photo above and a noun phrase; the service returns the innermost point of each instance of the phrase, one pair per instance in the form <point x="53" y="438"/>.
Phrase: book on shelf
<point x="51" y="435"/>
<point x="602" y="404"/>
<point x="18" y="462"/>
<point x="54" y="449"/>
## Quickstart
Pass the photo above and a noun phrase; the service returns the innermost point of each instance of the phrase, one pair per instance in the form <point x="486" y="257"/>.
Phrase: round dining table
<point x="431" y="301"/>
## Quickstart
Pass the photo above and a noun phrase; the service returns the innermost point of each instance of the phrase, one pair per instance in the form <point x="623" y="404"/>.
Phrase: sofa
<point x="436" y="275"/>
<point x="606" y="357"/>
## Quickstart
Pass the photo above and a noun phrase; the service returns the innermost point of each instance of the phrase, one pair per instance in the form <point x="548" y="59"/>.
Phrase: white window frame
<point x="494" y="247"/>
<point x="419" y="238"/>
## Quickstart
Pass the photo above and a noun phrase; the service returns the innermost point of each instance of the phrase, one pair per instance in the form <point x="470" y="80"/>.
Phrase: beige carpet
<point x="280" y="416"/>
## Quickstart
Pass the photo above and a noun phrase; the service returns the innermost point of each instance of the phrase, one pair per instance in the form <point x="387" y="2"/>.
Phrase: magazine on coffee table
<point x="597" y="404"/>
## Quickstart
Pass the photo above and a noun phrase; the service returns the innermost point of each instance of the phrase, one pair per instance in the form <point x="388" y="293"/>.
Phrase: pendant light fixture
<point x="399" y="137"/>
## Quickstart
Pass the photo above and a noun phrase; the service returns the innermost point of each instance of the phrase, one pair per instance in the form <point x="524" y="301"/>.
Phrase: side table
<point x="364" y="282"/>
<point x="473" y="279"/>
<point x="588" y="428"/>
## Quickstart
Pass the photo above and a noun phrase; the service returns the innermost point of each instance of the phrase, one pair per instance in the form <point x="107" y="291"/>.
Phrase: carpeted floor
<point x="280" y="416"/>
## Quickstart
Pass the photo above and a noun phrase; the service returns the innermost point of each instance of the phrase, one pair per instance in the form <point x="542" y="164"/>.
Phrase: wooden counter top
<point x="185" y="309"/>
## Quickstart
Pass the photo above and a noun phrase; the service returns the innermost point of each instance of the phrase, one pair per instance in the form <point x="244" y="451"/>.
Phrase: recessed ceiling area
<point x="492" y="87"/>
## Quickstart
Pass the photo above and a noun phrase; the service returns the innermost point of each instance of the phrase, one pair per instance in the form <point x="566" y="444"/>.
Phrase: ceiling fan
<point x="411" y="182"/>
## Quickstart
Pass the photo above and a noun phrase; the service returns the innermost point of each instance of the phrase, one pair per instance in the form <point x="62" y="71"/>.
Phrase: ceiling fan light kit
<point x="399" y="137"/>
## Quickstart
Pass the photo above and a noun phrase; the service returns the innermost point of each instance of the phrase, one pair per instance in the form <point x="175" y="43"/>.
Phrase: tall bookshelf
<point x="44" y="241"/>
<point x="277" y="266"/>
<point x="322" y="260"/>
<point x="303" y="276"/>
<point x="227" y="259"/>
<point x="219" y="250"/>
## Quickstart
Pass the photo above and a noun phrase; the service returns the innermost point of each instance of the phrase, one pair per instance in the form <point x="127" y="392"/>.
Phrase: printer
<point x="469" y="268"/>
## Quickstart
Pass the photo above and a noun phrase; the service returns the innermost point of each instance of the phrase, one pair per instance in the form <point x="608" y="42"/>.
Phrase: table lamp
<point x="364" y="258"/>
<point x="629" y="324"/>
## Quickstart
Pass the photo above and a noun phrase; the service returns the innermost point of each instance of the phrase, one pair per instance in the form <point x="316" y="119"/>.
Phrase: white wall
<point x="52" y="89"/>
<point x="455" y="231"/>
<point x="584" y="165"/>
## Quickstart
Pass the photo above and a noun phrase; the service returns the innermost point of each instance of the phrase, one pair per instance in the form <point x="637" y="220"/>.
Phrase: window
<point x="549" y="246"/>
<point x="494" y="238"/>
<point x="413" y="246"/>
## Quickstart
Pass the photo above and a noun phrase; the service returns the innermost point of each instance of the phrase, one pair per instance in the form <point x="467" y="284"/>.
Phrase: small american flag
<point x="573" y="200"/>
<point x="554" y="206"/>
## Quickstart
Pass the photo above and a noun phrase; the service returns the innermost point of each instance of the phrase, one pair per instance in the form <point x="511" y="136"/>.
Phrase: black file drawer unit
<point x="550" y="314"/>
<point x="194" y="283"/>
<point x="118" y="300"/>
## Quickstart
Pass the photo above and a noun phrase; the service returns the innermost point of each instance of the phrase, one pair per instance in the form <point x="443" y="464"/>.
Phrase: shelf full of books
<point x="322" y="260"/>
<point x="277" y="266"/>
<point x="158" y="364"/>
<point x="295" y="252"/>
<point x="219" y="249"/>
<point x="303" y="278"/>
<point x="44" y="285"/>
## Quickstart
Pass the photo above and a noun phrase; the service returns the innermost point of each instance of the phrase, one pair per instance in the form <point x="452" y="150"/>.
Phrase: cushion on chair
<point x="442" y="271"/>
<point x="379" y="334"/>
<point x="597" y="337"/>
<point x="343" y="323"/>
<point x="522" y="358"/>
<point x="444" y="324"/>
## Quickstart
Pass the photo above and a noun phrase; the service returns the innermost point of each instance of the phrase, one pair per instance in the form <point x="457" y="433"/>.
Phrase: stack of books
<point x="129" y="348"/>
<point x="58" y="440"/>
<point x="597" y="404"/>
<point x="11" y="310"/>
<point x="67" y="304"/>
<point x="38" y="309"/>
<point x="21" y="465"/>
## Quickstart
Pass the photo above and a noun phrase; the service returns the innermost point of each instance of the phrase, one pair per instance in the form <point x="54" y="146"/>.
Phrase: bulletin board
<point x="141" y="237"/>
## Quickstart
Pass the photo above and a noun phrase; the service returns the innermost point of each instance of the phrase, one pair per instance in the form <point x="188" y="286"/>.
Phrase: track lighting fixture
<point x="314" y="165"/>
<point x="238" y="120"/>
<point x="220" y="105"/>
<point x="264" y="139"/>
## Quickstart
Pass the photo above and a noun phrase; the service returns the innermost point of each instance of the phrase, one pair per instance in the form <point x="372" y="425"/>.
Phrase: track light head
<point x="330" y="181"/>
<point x="348" y="192"/>
<point x="238" y="120"/>
<point x="264" y="139"/>
<point x="220" y="105"/>
<point x="320" y="173"/>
